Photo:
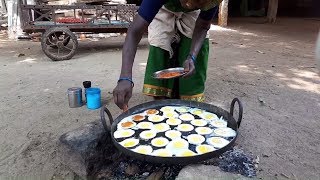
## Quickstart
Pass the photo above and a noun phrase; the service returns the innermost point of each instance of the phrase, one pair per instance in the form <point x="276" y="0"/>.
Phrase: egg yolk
<point x="195" y="139"/>
<point x="208" y="116"/>
<point x="159" y="142"/>
<point x="198" y="122"/>
<point x="214" y="140"/>
<point x="169" y="114"/>
<point x="171" y="121"/>
<point x="142" y="151"/>
<point x="127" y="124"/>
<point x="204" y="131"/>
<point x="149" y="134"/>
<point x="159" y="127"/>
<point x="138" y="118"/>
<point x="129" y="144"/>
<point x="156" y="118"/>
<point x="152" y="111"/>
<point x="197" y="112"/>
<point x="185" y="127"/>
<point x="173" y="135"/>
<point x="178" y="144"/>
<point x="144" y="125"/>
<point x="187" y="153"/>
<point x="204" y="149"/>
<point x="125" y="133"/>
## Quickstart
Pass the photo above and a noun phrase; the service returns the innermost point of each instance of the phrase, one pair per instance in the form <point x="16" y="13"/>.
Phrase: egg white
<point x="173" y="134"/>
<point x="208" y="148"/>
<point x="185" y="127"/>
<point x="183" y="109"/>
<point x="163" y="142"/>
<point x="143" y="149"/>
<point x="196" y="111"/>
<point x="219" y="123"/>
<point x="161" y="127"/>
<point x="148" y="134"/>
<point x="186" y="117"/>
<point x="173" y="121"/>
<point x="195" y="139"/>
<point x="129" y="143"/>
<point x="123" y="133"/>
<point x="218" y="142"/>
<point x="203" y="130"/>
<point x="199" y="122"/>
<point x="167" y="109"/>
<point x="186" y="153"/>
<point x="176" y="146"/>
<point x="145" y="125"/>
<point x="156" y="118"/>
<point x="225" y="132"/>
<point x="209" y="116"/>
<point x="170" y="114"/>
<point x="162" y="153"/>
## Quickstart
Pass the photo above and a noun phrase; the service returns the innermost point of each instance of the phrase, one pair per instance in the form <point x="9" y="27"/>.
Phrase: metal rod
<point x="54" y="16"/>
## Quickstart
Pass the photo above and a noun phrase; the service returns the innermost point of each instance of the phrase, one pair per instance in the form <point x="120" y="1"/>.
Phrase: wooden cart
<point x="59" y="41"/>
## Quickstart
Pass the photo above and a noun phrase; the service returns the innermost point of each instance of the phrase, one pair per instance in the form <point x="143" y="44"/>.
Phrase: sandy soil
<point x="270" y="67"/>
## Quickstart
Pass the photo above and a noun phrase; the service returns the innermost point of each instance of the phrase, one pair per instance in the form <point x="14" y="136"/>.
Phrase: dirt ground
<point x="270" y="67"/>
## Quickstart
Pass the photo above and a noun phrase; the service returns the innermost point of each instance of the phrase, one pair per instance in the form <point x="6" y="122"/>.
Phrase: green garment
<point x="191" y="88"/>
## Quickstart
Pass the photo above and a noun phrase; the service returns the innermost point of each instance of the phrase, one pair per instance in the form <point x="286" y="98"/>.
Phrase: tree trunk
<point x="272" y="11"/>
<point x="14" y="17"/>
<point x="223" y="13"/>
<point x="3" y="6"/>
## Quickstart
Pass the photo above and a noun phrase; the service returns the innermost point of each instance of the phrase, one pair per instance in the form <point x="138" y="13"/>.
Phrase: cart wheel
<point x="59" y="43"/>
<point x="52" y="39"/>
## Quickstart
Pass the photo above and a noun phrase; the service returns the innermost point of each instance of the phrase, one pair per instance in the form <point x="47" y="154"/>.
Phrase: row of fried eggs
<point x="178" y="146"/>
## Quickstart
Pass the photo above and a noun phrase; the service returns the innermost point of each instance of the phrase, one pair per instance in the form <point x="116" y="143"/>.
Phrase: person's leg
<point x="192" y="88"/>
<point x="158" y="60"/>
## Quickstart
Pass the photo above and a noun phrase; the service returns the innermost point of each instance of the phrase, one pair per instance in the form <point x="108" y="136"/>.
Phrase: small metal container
<point x="75" y="97"/>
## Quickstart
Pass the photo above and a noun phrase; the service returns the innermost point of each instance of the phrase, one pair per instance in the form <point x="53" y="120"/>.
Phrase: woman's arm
<point x="134" y="35"/>
<point x="147" y="11"/>
<point x="202" y="26"/>
<point x="123" y="91"/>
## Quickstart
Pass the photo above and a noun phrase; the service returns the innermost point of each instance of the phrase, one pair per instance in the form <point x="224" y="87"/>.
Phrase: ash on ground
<point x="138" y="170"/>
<point x="236" y="161"/>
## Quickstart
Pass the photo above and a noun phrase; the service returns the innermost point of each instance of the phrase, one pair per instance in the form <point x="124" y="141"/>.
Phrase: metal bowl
<point x="111" y="126"/>
<point x="180" y="70"/>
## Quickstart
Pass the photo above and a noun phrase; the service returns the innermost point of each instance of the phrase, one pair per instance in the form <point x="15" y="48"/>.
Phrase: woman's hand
<point x="123" y="91"/>
<point x="199" y="34"/>
<point x="122" y="94"/>
<point x="189" y="67"/>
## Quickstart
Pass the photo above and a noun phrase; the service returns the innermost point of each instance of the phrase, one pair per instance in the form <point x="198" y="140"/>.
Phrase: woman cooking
<point x="184" y="21"/>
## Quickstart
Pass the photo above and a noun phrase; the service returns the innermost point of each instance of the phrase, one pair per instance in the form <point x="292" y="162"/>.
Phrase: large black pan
<point x="111" y="126"/>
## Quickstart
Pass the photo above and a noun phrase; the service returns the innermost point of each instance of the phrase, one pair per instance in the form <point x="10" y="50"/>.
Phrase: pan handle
<point x="240" y="110"/>
<point x="106" y="123"/>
